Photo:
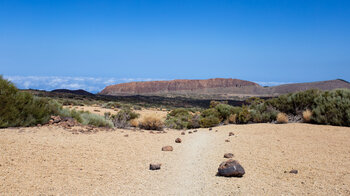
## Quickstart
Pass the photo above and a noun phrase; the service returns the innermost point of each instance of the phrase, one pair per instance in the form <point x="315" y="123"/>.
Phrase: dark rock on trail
<point x="231" y="134"/>
<point x="178" y="140"/>
<point x="228" y="155"/>
<point x="293" y="171"/>
<point x="231" y="168"/>
<point x="154" y="166"/>
<point x="183" y="133"/>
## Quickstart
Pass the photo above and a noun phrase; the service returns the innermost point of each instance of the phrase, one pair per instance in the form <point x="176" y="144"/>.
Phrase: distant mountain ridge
<point x="76" y="92"/>
<point x="219" y="88"/>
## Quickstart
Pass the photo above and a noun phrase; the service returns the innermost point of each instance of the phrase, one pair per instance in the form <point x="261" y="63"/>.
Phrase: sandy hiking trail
<point x="53" y="161"/>
<point x="190" y="170"/>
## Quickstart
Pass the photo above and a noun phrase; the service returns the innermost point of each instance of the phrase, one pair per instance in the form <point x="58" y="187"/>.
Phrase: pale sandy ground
<point x="98" y="110"/>
<point x="36" y="161"/>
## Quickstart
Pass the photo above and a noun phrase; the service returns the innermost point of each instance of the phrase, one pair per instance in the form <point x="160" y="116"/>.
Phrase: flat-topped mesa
<point x="217" y="88"/>
<point x="215" y="85"/>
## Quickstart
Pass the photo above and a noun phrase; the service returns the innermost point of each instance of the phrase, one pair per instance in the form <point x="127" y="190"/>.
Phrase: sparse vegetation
<point x="151" y="123"/>
<point x="282" y="118"/>
<point x="24" y="109"/>
<point x="307" y="114"/>
<point x="123" y="117"/>
<point x="244" y="115"/>
<point x="332" y="108"/>
<point x="182" y="118"/>
<point x="21" y="108"/>
<point x="314" y="106"/>
<point x="209" y="118"/>
<point x="95" y="120"/>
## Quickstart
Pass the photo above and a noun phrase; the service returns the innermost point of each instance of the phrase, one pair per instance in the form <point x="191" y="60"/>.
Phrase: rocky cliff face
<point x="156" y="87"/>
<point x="218" y="88"/>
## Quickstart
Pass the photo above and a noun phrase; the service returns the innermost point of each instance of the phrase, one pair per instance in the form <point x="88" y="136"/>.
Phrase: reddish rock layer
<point x="175" y="85"/>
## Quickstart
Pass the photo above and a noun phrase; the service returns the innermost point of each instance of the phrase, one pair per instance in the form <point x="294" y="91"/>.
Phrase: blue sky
<point x="90" y="44"/>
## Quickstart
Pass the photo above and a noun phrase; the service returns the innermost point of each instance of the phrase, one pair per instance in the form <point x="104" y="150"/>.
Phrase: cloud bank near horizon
<point x="91" y="84"/>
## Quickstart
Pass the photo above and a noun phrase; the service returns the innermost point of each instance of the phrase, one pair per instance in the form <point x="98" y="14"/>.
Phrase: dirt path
<point x="53" y="161"/>
<point x="191" y="166"/>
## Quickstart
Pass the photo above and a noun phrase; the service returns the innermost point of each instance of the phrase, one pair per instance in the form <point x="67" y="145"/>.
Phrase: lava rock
<point x="154" y="166"/>
<point x="178" y="140"/>
<point x="167" y="148"/>
<point x="231" y="134"/>
<point x="228" y="155"/>
<point x="293" y="171"/>
<point x="210" y="129"/>
<point x="227" y="140"/>
<point x="190" y="132"/>
<point x="195" y="131"/>
<point x="231" y="168"/>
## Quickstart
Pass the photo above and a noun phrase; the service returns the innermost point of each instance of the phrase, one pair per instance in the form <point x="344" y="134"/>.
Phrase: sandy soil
<point x="98" y="110"/>
<point x="48" y="161"/>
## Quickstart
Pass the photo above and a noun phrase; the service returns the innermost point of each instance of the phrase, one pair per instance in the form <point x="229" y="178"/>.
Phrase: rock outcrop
<point x="217" y="88"/>
<point x="210" y="86"/>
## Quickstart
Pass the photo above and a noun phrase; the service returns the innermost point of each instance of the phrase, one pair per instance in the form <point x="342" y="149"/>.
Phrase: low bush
<point x="95" y="120"/>
<point x="307" y="114"/>
<point x="182" y="118"/>
<point x="134" y="123"/>
<point x="123" y="117"/>
<point x="224" y="111"/>
<point x="151" y="123"/>
<point x="22" y="108"/>
<point x="332" y="108"/>
<point x="282" y="118"/>
<point x="209" y="118"/>
<point x="232" y="118"/>
<point x="244" y="115"/>
<point x="294" y="103"/>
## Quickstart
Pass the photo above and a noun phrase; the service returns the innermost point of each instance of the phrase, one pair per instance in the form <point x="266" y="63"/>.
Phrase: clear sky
<point x="268" y="41"/>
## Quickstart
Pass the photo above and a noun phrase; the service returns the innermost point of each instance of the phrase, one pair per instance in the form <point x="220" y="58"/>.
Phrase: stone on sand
<point x="231" y="168"/>
<point x="178" y="140"/>
<point x="167" y="148"/>
<point x="228" y="155"/>
<point x="154" y="166"/>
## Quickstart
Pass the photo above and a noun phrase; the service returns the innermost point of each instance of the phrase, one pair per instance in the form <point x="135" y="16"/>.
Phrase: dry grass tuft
<point x="151" y="123"/>
<point x="232" y="118"/>
<point x="307" y="115"/>
<point x="282" y="118"/>
<point x="134" y="123"/>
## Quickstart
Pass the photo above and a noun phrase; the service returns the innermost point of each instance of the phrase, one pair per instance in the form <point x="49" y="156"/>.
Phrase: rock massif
<point x="218" y="88"/>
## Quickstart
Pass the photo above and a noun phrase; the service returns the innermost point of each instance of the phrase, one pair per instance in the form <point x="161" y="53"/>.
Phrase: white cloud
<point x="271" y="83"/>
<point x="90" y="84"/>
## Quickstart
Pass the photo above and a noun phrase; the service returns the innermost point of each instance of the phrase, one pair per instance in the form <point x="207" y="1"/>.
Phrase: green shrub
<point x="209" y="121"/>
<point x="224" y="110"/>
<point x="181" y="118"/>
<point x="95" y="120"/>
<point x="21" y="108"/>
<point x="332" y="108"/>
<point x="260" y="112"/>
<point x="244" y="115"/>
<point x="294" y="103"/>
<point x="209" y="118"/>
<point x="123" y="117"/>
